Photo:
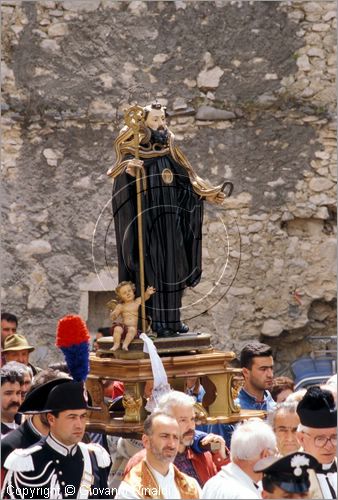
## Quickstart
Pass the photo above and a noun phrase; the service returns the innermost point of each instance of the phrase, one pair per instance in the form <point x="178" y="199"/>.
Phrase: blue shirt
<point x="224" y="430"/>
<point x="198" y="397"/>
<point x="249" y="402"/>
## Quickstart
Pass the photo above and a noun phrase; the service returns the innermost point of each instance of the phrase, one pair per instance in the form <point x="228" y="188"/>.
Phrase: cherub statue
<point x="132" y="405"/>
<point x="127" y="308"/>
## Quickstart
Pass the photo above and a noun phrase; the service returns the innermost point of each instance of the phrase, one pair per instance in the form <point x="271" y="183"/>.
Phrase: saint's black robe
<point x="172" y="237"/>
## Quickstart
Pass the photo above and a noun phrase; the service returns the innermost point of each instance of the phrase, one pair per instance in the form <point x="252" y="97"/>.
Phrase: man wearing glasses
<point x="317" y="434"/>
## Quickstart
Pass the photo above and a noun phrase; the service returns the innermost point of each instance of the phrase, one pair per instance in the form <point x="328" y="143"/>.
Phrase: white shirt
<point x="230" y="483"/>
<point x="323" y="480"/>
<point x="166" y="486"/>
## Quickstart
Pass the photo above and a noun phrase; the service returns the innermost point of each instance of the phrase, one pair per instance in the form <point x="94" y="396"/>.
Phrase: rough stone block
<point x="50" y="45"/>
<point x="57" y="29"/>
<point x="209" y="78"/>
<point x="321" y="27"/>
<point x="35" y="247"/>
<point x="319" y="184"/>
<point x="210" y="113"/>
<point x="81" y="5"/>
<point x="272" y="328"/>
<point x="138" y="8"/>
<point x="303" y="63"/>
<point x="330" y="15"/>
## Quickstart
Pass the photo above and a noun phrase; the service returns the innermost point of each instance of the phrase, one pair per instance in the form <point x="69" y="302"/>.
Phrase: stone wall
<point x="250" y="88"/>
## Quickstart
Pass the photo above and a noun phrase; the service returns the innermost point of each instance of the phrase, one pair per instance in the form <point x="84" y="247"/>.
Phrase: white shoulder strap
<point x="101" y="454"/>
<point x="87" y="477"/>
<point x="21" y="460"/>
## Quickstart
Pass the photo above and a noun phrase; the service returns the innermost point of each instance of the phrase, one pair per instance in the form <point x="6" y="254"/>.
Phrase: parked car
<point x="316" y="368"/>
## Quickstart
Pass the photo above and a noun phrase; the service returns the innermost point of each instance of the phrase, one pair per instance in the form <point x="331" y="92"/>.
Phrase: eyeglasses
<point x="321" y="441"/>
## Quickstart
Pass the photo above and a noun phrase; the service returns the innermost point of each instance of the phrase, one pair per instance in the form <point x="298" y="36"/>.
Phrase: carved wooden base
<point x="218" y="379"/>
<point x="185" y="343"/>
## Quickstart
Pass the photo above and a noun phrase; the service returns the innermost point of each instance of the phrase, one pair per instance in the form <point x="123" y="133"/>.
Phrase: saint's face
<point x="156" y="119"/>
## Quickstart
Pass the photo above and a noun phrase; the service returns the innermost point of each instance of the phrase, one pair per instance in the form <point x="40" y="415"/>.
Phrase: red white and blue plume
<point x="73" y="338"/>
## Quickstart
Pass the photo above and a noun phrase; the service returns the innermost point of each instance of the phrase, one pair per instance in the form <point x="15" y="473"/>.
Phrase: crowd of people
<point x="47" y="453"/>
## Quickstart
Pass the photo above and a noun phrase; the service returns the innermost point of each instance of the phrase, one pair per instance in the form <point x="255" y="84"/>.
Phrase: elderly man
<point x="155" y="476"/>
<point x="60" y="466"/>
<point x="192" y="457"/>
<point x="250" y="442"/>
<point x="257" y="367"/>
<point x="284" y="420"/>
<point x="318" y="436"/>
<point x="286" y="477"/>
<point x="11" y="387"/>
<point x="17" y="348"/>
<point x="172" y="203"/>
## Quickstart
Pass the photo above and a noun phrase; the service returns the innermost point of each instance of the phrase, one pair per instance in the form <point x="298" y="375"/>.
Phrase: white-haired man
<point x="251" y="441"/>
<point x="192" y="458"/>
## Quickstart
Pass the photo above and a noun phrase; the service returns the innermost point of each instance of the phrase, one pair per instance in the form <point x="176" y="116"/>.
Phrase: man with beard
<point x="257" y="367"/>
<point x="172" y="215"/>
<point x="155" y="476"/>
<point x="192" y="457"/>
<point x="11" y="387"/>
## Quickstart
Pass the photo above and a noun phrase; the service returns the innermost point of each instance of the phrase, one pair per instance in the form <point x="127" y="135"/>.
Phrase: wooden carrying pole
<point x="133" y="118"/>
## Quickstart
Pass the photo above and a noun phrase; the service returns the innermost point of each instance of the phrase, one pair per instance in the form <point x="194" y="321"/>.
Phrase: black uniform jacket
<point x="50" y="468"/>
<point x="22" y="437"/>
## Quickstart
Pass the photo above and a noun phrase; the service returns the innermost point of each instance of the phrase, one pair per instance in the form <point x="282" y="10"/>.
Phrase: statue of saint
<point x="172" y="215"/>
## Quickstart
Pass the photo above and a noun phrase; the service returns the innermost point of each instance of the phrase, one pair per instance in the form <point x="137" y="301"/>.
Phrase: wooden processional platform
<point x="189" y="355"/>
